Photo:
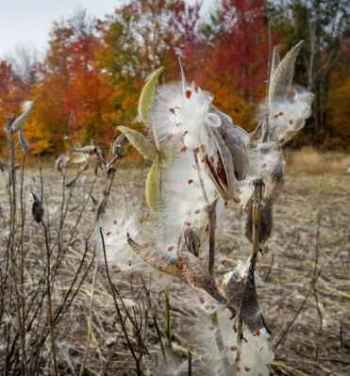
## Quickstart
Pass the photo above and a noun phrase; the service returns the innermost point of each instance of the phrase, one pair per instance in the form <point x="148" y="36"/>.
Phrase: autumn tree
<point x="75" y="98"/>
<point x="140" y="37"/>
<point x="229" y="57"/>
<point x="241" y="50"/>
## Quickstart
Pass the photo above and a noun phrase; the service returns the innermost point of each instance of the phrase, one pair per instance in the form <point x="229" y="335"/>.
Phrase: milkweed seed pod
<point x="178" y="122"/>
<point x="183" y="265"/>
<point x="283" y="115"/>
<point x="19" y="122"/>
<point x="61" y="162"/>
<point x="118" y="146"/>
<point x="240" y="293"/>
<point x="288" y="105"/>
<point x="265" y="224"/>
<point x="266" y="162"/>
<point x="192" y="241"/>
<point x="37" y="208"/>
<point x="16" y="124"/>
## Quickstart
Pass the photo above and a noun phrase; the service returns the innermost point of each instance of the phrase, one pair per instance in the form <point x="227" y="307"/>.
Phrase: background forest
<point x="89" y="81"/>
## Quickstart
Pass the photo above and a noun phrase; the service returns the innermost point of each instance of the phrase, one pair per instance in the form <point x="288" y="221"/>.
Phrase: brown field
<point x="303" y="284"/>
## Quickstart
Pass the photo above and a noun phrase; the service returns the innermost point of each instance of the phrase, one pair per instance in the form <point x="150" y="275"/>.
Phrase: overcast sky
<point x="28" y="22"/>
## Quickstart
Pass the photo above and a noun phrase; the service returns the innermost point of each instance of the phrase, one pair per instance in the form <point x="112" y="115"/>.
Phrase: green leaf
<point x="152" y="191"/>
<point x="148" y="94"/>
<point x="140" y="143"/>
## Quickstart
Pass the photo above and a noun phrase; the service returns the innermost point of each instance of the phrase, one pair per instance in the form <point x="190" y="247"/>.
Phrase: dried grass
<point x="313" y="162"/>
<point x="89" y="338"/>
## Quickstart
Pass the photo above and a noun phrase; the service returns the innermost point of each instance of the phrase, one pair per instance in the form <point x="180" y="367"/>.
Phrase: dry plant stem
<point x="27" y="298"/>
<point x="100" y="212"/>
<point x="81" y="212"/>
<point x="154" y="318"/>
<point x="316" y="274"/>
<point x="106" y="193"/>
<point x="21" y="266"/>
<point x="89" y="320"/>
<point x="116" y="295"/>
<point x="211" y="211"/>
<point x="12" y="188"/>
<point x="63" y="307"/>
<point x="61" y="252"/>
<point x="49" y="300"/>
<point x="212" y="227"/>
<point x="189" y="363"/>
<point x="168" y="318"/>
<point x="256" y="213"/>
<point x="77" y="176"/>
<point x="159" y="334"/>
<point x="64" y="206"/>
<point x="312" y="288"/>
<point x="15" y="267"/>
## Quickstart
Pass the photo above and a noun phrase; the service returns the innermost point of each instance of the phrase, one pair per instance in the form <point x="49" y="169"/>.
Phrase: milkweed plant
<point x="199" y="161"/>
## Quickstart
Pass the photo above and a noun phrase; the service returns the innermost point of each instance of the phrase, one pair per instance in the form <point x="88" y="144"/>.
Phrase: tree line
<point x="88" y="82"/>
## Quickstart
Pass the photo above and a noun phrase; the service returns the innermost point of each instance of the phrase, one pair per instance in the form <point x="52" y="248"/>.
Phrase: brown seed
<point x="190" y="181"/>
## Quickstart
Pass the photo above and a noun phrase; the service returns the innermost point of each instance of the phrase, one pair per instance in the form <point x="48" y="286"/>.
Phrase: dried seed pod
<point x="62" y="162"/>
<point x="118" y="146"/>
<point x="266" y="221"/>
<point x="37" y="209"/>
<point x="18" y="122"/>
<point x="240" y="292"/>
<point x="192" y="241"/>
<point x="196" y="275"/>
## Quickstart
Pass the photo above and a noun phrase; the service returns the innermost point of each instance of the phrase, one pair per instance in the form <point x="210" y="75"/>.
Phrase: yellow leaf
<point x="153" y="185"/>
<point x="147" y="95"/>
<point x="139" y="142"/>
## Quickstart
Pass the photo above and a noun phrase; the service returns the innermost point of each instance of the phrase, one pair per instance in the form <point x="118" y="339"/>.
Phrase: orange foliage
<point x="93" y="72"/>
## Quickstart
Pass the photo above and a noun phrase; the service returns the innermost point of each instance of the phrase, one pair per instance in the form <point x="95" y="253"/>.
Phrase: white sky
<point x="28" y="22"/>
